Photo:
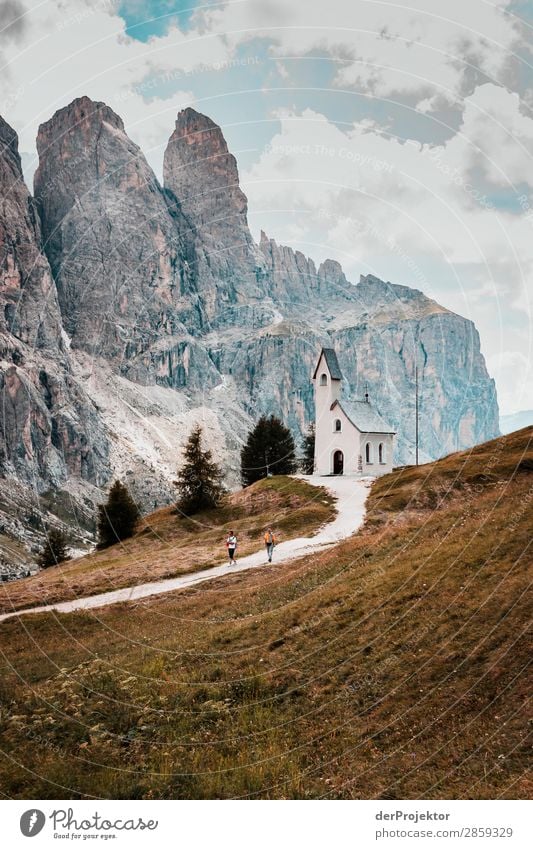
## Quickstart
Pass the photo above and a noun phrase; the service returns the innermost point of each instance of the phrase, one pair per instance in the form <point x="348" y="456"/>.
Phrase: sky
<point x="396" y="138"/>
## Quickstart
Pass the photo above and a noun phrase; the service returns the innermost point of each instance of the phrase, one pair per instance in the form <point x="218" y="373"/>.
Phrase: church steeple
<point x="328" y="358"/>
<point x="327" y="378"/>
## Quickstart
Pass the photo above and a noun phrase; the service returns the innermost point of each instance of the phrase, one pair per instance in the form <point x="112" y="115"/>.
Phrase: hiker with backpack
<point x="231" y="545"/>
<point x="270" y="542"/>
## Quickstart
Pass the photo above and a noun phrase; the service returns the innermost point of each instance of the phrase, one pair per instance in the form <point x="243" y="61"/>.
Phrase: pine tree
<point x="54" y="550"/>
<point x="308" y="460"/>
<point x="199" y="480"/>
<point x="117" y="517"/>
<point x="269" y="450"/>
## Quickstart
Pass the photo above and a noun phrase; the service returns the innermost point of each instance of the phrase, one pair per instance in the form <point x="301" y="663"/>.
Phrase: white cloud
<point x="421" y="49"/>
<point x="501" y="133"/>
<point x="514" y="376"/>
<point x="424" y="196"/>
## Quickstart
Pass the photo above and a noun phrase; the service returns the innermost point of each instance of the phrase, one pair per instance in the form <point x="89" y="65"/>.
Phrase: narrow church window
<point x="381" y="453"/>
<point x="337" y="425"/>
<point x="323" y="380"/>
<point x="368" y="452"/>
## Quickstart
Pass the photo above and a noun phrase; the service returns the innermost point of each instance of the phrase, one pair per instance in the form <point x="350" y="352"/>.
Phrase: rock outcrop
<point x="29" y="308"/>
<point x="115" y="252"/>
<point x="293" y="279"/>
<point x="49" y="428"/>
<point x="50" y="431"/>
<point x="201" y="178"/>
<point x="381" y="332"/>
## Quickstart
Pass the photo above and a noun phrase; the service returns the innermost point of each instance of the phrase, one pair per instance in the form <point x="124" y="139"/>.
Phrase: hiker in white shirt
<point x="231" y="545"/>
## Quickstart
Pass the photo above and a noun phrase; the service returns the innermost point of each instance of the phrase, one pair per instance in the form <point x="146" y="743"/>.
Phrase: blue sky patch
<point x="147" y="18"/>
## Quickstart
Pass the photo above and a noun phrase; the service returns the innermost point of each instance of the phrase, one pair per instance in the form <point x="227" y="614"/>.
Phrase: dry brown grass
<point x="393" y="666"/>
<point x="413" y="488"/>
<point x="168" y="544"/>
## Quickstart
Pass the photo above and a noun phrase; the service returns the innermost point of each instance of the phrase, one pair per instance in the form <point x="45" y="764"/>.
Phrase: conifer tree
<point x="199" y="480"/>
<point x="269" y="450"/>
<point x="117" y="517"/>
<point x="308" y="459"/>
<point x="54" y="550"/>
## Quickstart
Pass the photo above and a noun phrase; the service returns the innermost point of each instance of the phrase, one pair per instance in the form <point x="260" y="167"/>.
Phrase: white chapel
<point x="351" y="438"/>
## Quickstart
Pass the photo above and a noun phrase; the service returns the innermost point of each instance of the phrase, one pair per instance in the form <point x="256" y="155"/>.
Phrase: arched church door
<point x="338" y="463"/>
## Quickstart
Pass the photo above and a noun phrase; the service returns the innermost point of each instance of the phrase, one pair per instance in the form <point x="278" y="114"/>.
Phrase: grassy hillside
<point x="168" y="544"/>
<point x="392" y="666"/>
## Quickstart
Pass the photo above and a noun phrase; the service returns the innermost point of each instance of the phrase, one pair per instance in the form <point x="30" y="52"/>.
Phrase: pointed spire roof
<point x="331" y="362"/>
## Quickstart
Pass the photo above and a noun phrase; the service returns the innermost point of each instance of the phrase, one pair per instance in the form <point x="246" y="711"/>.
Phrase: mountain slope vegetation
<point x="169" y="543"/>
<point x="394" y="665"/>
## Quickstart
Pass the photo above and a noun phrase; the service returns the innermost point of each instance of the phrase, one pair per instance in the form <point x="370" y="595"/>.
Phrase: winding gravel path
<point x="350" y="495"/>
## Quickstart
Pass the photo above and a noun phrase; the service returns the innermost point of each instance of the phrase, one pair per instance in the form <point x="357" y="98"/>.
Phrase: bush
<point x="118" y="517"/>
<point x="199" y="480"/>
<point x="269" y="450"/>
<point x="55" y="549"/>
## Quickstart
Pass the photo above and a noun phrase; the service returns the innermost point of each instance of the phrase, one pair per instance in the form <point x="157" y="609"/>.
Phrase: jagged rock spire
<point x="109" y="236"/>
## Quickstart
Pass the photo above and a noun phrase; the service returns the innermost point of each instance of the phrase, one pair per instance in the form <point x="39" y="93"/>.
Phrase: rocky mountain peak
<point x="190" y="122"/>
<point x="381" y="296"/>
<point x="202" y="177"/>
<point x="330" y="271"/>
<point x="82" y="115"/>
<point x="294" y="276"/>
<point x="109" y="236"/>
<point x="85" y="143"/>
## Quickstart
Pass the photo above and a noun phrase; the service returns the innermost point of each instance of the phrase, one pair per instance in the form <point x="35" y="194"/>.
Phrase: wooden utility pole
<point x="416" y="415"/>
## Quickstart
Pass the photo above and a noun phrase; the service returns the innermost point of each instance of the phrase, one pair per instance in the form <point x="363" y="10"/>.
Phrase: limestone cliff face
<point x="457" y="397"/>
<point x="29" y="308"/>
<point x="49" y="429"/>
